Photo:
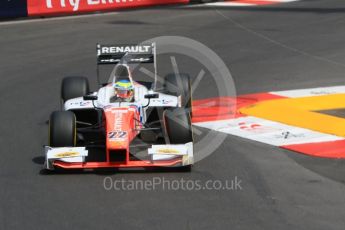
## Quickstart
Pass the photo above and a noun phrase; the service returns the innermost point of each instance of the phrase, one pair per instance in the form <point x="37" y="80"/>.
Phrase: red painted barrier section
<point x="54" y="7"/>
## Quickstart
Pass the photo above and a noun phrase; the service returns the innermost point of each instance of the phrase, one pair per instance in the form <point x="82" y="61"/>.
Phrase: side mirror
<point x="90" y="97"/>
<point x="150" y="96"/>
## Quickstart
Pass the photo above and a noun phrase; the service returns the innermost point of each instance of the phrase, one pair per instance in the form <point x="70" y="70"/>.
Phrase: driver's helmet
<point x="124" y="90"/>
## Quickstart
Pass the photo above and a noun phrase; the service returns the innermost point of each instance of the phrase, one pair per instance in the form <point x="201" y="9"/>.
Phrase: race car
<point x="126" y="123"/>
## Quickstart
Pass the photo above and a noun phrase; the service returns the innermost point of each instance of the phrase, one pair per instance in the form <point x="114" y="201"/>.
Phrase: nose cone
<point x="120" y="127"/>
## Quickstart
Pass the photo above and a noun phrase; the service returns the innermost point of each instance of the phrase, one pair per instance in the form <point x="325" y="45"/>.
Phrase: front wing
<point x="158" y="156"/>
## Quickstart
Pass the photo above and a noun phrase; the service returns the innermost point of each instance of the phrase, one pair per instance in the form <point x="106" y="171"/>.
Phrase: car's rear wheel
<point x="62" y="129"/>
<point x="180" y="85"/>
<point x="73" y="87"/>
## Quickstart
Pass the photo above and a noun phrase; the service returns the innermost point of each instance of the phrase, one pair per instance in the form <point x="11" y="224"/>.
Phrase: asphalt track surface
<point x="281" y="47"/>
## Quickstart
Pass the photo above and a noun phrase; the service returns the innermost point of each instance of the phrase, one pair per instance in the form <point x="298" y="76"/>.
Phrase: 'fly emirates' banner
<point x="46" y="7"/>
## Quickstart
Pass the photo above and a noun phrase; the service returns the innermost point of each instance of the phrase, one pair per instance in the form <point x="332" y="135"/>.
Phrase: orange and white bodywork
<point x="121" y="121"/>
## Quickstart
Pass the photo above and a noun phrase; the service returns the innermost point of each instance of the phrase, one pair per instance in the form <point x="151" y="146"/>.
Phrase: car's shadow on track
<point x="38" y="160"/>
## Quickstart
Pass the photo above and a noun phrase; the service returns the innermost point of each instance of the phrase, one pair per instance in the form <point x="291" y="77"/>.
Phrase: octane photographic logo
<point x="180" y="51"/>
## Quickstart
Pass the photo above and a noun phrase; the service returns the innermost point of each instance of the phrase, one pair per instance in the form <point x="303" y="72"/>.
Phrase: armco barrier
<point x="13" y="8"/>
<point x="53" y="7"/>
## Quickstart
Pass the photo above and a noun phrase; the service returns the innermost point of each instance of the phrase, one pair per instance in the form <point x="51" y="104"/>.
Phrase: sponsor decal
<point x="251" y="127"/>
<point x="114" y="53"/>
<point x="321" y="92"/>
<point x="166" y="102"/>
<point x="167" y="151"/>
<point x="66" y="154"/>
<point x="118" y="121"/>
<point x="124" y="49"/>
<point x="81" y="103"/>
<point x="289" y="135"/>
<point x="112" y="109"/>
<point x="162" y="101"/>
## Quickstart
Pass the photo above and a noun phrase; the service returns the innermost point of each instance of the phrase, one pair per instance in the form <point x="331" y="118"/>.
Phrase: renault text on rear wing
<point x="113" y="54"/>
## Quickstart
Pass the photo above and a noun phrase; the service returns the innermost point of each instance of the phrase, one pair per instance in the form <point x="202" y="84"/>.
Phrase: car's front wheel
<point x="62" y="129"/>
<point x="178" y="125"/>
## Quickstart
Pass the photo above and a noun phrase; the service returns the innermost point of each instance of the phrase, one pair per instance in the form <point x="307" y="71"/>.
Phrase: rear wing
<point x="127" y="54"/>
